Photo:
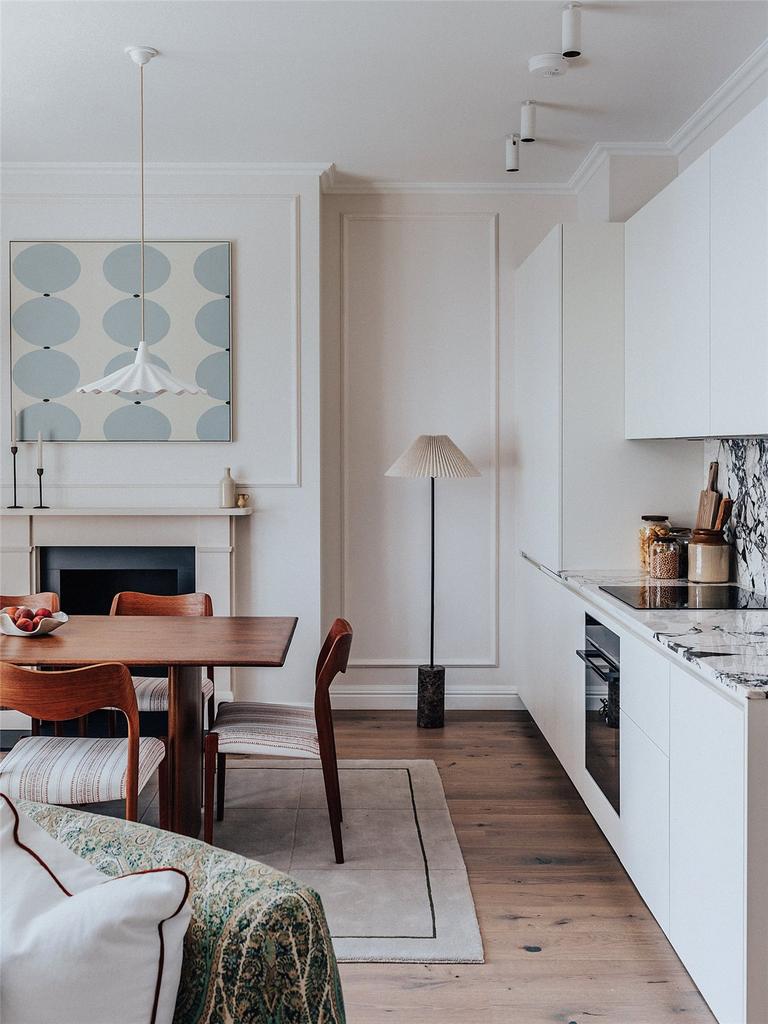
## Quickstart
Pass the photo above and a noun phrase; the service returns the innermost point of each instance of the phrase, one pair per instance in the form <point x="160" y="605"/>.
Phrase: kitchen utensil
<point x="709" y="501"/>
<point x="724" y="513"/>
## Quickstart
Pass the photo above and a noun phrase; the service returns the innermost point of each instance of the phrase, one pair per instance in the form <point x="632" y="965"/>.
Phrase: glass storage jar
<point x="664" y="561"/>
<point x="709" y="557"/>
<point x="652" y="526"/>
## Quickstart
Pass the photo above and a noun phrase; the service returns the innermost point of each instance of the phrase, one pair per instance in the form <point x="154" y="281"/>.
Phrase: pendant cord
<point x="141" y="163"/>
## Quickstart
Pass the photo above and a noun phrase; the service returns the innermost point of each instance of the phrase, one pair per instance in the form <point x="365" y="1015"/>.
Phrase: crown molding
<point x="375" y="187"/>
<point x="601" y="151"/>
<point x="734" y="86"/>
<point x="312" y="169"/>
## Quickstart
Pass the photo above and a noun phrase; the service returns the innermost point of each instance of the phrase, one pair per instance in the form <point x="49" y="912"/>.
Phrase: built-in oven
<point x="602" y="702"/>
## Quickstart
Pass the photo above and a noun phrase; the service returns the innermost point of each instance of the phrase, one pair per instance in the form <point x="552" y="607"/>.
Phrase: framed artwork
<point x="75" y="318"/>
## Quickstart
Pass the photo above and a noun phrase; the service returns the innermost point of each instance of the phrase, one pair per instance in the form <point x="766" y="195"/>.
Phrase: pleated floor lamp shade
<point x="433" y="455"/>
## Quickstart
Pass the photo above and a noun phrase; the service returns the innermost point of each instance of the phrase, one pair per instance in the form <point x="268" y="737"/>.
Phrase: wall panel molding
<point x="491" y="220"/>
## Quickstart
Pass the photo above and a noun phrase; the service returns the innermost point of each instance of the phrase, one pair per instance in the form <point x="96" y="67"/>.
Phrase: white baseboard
<point x="384" y="697"/>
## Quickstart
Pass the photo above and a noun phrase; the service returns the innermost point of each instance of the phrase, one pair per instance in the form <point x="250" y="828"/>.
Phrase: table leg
<point x="184" y="749"/>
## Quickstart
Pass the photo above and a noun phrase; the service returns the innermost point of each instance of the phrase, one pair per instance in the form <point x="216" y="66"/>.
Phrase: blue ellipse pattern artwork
<point x="213" y="423"/>
<point x="213" y="375"/>
<point x="46" y="321"/>
<point x="212" y="269"/>
<point x="122" y="322"/>
<point x="46" y="373"/>
<point x="55" y="422"/>
<point x="122" y="268"/>
<point x="137" y="423"/>
<point x="75" y="317"/>
<point x="212" y="322"/>
<point x="46" y="267"/>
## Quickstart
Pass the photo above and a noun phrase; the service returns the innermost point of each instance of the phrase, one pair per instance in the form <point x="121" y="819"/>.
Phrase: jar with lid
<point x="664" y="559"/>
<point x="683" y="536"/>
<point x="709" y="557"/>
<point x="652" y="526"/>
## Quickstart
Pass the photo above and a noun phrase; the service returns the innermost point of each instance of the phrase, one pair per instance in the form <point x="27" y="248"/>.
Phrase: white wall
<point x="622" y="183"/>
<point x="274" y="224"/>
<point x="417" y="338"/>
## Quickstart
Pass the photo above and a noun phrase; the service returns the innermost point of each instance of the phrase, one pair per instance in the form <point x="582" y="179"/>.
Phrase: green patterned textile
<point x="258" y="950"/>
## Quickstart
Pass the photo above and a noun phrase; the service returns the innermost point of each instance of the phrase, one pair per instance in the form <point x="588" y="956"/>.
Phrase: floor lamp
<point x="432" y="455"/>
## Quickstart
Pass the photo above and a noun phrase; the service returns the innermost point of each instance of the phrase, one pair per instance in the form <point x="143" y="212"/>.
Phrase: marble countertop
<point x="728" y="647"/>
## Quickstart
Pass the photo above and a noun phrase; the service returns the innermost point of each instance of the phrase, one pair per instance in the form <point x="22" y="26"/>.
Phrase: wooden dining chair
<point x="78" y="769"/>
<point x="152" y="691"/>
<point x="47" y="599"/>
<point x="283" y="730"/>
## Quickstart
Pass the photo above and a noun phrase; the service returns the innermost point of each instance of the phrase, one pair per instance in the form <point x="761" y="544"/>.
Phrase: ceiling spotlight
<point x="528" y="121"/>
<point x="547" y="65"/>
<point x="572" y="30"/>
<point x="513" y="152"/>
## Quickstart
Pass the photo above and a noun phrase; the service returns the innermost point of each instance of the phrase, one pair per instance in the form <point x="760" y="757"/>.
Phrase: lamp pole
<point x="432" y="578"/>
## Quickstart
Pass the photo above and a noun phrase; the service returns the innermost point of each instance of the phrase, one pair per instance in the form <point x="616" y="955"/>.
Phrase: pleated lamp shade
<point x="139" y="378"/>
<point x="433" y="455"/>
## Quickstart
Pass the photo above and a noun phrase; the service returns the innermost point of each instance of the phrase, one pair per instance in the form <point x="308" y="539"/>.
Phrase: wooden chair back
<point x="60" y="696"/>
<point x="131" y="602"/>
<point x="34" y="601"/>
<point x="333" y="658"/>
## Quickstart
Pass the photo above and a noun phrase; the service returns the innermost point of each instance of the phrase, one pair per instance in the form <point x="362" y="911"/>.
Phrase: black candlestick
<point x="40" y="472"/>
<point x="14" y="451"/>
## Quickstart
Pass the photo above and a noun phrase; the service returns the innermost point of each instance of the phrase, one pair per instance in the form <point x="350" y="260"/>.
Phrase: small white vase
<point x="227" y="490"/>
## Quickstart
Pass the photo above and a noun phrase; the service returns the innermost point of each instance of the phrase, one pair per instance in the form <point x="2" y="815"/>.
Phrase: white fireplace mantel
<point x="123" y="511"/>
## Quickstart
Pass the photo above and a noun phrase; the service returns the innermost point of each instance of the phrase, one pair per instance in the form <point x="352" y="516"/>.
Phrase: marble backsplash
<point x="744" y="477"/>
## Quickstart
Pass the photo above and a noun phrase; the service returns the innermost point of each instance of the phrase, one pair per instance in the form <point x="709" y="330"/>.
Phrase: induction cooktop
<point x="655" y="595"/>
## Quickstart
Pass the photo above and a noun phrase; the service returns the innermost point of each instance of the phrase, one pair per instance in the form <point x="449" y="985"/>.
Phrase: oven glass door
<point x="601" y="700"/>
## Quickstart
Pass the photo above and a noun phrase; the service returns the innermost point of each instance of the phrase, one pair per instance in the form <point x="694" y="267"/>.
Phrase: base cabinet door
<point x="707" y="855"/>
<point x="644" y="772"/>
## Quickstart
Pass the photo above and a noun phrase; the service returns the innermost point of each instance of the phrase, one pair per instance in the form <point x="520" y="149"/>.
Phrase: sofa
<point x="257" y="951"/>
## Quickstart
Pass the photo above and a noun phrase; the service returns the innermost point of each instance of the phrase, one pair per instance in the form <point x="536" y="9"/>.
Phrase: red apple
<point x="36" y="621"/>
<point x="24" y="613"/>
<point x="25" y="624"/>
<point x="43" y="613"/>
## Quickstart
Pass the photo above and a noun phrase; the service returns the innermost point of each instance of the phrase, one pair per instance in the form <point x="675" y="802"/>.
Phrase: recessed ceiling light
<point x="547" y="65"/>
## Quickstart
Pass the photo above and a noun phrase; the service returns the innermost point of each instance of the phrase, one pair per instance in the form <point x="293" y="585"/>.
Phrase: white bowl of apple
<point x="18" y="620"/>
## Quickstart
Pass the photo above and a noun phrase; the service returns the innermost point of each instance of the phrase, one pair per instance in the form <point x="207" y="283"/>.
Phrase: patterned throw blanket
<point x="258" y="950"/>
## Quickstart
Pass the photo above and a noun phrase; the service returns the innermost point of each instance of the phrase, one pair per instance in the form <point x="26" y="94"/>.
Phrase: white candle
<point x="13" y="426"/>
<point x="39" y="450"/>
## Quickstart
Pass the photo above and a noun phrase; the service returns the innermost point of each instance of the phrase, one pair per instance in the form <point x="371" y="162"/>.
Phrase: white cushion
<point x="280" y="730"/>
<point x="78" y="947"/>
<point x="152" y="692"/>
<point x="74" y="769"/>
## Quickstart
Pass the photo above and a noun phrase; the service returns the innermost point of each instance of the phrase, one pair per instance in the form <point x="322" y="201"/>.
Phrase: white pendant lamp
<point x="141" y="376"/>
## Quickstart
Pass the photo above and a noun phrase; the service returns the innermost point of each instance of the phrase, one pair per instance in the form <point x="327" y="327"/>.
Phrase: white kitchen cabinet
<point x="570" y="449"/>
<point x="739" y="266"/>
<point x="645" y="689"/>
<point x="707" y="834"/>
<point x="644" y="772"/>
<point x="667" y="310"/>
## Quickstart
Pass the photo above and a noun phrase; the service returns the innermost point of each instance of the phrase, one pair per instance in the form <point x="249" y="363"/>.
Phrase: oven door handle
<point x="588" y="657"/>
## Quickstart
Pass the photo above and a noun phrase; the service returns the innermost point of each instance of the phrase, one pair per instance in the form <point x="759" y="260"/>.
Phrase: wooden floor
<point x="567" y="938"/>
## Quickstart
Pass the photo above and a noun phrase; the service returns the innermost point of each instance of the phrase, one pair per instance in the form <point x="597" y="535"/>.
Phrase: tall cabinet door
<point x="537" y="386"/>
<point x="667" y="310"/>
<point x="740" y="278"/>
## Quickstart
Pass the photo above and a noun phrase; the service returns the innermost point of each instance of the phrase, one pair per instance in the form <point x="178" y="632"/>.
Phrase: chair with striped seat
<point x="283" y="730"/>
<point x="77" y="769"/>
<point x="152" y="691"/>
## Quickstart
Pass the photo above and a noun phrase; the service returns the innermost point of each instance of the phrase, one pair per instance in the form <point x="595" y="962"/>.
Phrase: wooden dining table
<point x="183" y="646"/>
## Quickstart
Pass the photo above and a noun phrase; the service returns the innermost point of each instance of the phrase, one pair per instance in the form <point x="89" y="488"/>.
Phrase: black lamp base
<point x="430" y="711"/>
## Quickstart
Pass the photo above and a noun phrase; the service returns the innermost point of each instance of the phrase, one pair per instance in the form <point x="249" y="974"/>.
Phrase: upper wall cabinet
<point x="697" y="296"/>
<point x="667" y="310"/>
<point x="739" y="259"/>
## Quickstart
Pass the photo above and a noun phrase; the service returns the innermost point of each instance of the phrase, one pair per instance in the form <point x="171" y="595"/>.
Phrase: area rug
<point x="402" y="893"/>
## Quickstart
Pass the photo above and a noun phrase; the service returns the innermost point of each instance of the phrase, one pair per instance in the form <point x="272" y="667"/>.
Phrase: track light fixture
<point x="528" y="121"/>
<point x="572" y="30"/>
<point x="513" y="152"/>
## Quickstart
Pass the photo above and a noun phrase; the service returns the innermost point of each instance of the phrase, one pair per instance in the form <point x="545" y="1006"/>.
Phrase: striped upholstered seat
<point x="74" y="770"/>
<point x="281" y="730"/>
<point x="152" y="692"/>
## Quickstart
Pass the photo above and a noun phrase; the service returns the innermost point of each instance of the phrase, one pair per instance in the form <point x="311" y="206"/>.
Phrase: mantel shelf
<point x="123" y="511"/>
